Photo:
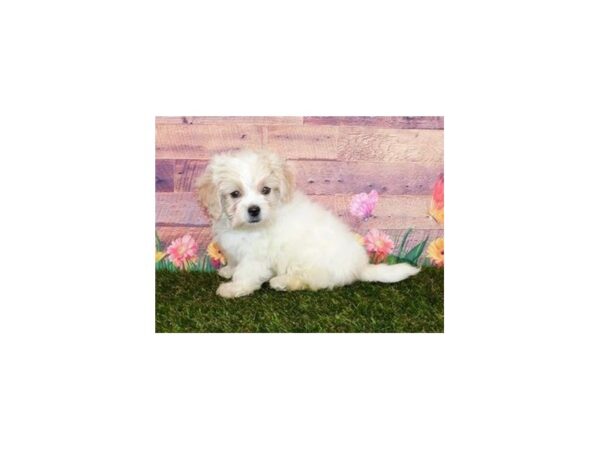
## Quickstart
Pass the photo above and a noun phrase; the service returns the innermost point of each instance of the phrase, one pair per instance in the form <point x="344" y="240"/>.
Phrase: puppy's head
<point x="245" y="187"/>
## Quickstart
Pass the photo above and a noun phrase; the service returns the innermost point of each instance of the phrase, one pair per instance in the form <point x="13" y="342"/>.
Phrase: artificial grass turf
<point x="187" y="302"/>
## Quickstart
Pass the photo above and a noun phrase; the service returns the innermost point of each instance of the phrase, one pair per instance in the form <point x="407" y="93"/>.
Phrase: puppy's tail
<point x="387" y="273"/>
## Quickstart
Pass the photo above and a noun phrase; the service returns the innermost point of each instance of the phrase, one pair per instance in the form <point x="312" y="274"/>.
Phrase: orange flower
<point x="217" y="258"/>
<point x="436" y="209"/>
<point x="435" y="252"/>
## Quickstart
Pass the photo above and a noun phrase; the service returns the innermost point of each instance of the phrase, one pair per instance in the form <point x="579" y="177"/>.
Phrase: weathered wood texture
<point x="414" y="123"/>
<point x="201" y="141"/>
<point x="333" y="157"/>
<point x="301" y="142"/>
<point x="337" y="177"/>
<point x="222" y="120"/>
<point x="165" y="174"/>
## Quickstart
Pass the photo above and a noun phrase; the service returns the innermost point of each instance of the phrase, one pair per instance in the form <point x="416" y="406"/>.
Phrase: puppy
<point x="270" y="232"/>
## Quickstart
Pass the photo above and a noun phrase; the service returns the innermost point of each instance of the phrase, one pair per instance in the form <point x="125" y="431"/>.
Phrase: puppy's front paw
<point x="232" y="290"/>
<point x="226" y="272"/>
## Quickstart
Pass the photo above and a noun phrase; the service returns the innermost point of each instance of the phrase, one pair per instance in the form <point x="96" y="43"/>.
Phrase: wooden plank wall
<point x="334" y="158"/>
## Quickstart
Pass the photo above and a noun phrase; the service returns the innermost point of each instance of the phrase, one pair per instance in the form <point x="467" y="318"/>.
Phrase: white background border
<point x="81" y="365"/>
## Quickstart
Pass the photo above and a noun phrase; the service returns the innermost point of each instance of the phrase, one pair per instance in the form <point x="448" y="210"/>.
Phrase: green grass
<point x="186" y="302"/>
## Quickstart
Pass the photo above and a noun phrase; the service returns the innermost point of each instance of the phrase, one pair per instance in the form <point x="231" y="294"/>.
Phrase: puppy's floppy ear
<point x="281" y="169"/>
<point x="288" y="181"/>
<point x="208" y="196"/>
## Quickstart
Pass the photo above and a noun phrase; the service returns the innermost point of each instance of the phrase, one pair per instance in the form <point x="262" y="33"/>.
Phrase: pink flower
<point x="363" y="204"/>
<point x="438" y="192"/>
<point x="378" y="244"/>
<point x="436" y="210"/>
<point x="182" y="251"/>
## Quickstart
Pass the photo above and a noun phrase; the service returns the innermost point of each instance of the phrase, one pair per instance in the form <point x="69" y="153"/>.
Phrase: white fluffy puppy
<point x="270" y="232"/>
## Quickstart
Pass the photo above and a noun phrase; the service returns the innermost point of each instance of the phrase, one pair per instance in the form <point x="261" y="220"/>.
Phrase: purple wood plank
<point x="415" y="122"/>
<point x="164" y="175"/>
<point x="187" y="172"/>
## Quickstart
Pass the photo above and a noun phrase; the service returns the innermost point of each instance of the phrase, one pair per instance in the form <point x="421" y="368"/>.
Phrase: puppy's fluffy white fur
<point x="291" y="242"/>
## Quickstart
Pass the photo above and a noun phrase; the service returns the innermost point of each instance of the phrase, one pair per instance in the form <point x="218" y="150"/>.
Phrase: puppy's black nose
<point x="254" y="211"/>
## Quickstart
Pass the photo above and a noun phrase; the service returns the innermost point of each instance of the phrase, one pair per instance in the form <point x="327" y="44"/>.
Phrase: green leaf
<point x="404" y="260"/>
<point x="391" y="259"/>
<point x="168" y="265"/>
<point x="165" y="264"/>
<point x="416" y="251"/>
<point x="396" y="242"/>
<point x="209" y="266"/>
<point x="157" y="242"/>
<point x="197" y="265"/>
<point x="404" y="242"/>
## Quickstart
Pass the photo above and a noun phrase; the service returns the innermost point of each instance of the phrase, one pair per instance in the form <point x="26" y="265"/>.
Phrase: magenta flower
<point x="363" y="204"/>
<point x="182" y="251"/>
<point x="378" y="245"/>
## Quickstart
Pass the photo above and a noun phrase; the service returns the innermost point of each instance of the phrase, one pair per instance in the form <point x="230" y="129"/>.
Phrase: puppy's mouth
<point x="254" y="220"/>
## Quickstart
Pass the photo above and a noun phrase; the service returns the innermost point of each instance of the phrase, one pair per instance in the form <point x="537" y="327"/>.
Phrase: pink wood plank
<point x="302" y="142"/>
<point x="179" y="209"/>
<point x="221" y="120"/>
<point x="415" y="122"/>
<point x="203" y="141"/>
<point x="199" y="141"/>
<point x="339" y="177"/>
<point x="390" y="145"/>
<point x="391" y="212"/>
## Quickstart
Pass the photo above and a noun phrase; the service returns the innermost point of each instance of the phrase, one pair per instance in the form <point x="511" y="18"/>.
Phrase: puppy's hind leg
<point x="233" y="289"/>
<point x="287" y="283"/>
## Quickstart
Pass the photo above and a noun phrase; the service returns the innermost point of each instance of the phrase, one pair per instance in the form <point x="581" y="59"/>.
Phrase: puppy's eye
<point x="266" y="190"/>
<point x="235" y="194"/>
